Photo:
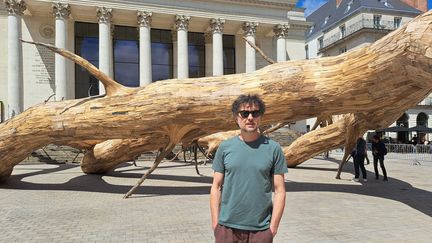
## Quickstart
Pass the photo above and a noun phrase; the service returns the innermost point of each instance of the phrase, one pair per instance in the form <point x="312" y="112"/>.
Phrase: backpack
<point x="385" y="150"/>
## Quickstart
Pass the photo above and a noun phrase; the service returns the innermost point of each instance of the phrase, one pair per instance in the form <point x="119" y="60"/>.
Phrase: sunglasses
<point x="245" y="114"/>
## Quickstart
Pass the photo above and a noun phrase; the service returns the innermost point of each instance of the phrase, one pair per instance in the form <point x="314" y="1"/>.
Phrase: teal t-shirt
<point x="248" y="170"/>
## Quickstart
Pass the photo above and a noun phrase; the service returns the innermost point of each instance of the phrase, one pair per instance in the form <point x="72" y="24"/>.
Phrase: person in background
<point x="359" y="158"/>
<point x="414" y="140"/>
<point x="379" y="151"/>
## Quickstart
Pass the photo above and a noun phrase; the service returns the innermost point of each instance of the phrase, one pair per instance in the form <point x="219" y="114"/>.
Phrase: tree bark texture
<point x="385" y="78"/>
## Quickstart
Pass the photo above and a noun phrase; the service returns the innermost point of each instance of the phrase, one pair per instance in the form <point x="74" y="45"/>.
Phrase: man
<point x="378" y="151"/>
<point x="247" y="167"/>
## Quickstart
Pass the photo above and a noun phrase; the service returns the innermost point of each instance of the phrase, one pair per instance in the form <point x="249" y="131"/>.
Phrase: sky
<point x="312" y="5"/>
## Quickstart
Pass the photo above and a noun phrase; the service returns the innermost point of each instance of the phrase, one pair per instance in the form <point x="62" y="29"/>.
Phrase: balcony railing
<point x="362" y="24"/>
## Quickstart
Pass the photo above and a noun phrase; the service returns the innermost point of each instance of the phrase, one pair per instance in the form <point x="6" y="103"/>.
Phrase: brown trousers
<point x="225" y="234"/>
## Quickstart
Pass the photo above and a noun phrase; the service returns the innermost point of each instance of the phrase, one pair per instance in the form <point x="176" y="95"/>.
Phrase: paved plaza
<point x="58" y="203"/>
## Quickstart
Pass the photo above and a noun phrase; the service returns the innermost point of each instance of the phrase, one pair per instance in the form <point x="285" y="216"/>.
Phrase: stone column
<point x="182" y="24"/>
<point x="104" y="16"/>
<point x="208" y="37"/>
<point x="249" y="29"/>
<point x="217" y="26"/>
<point x="144" y="22"/>
<point x="15" y="9"/>
<point x="61" y="12"/>
<point x="281" y="33"/>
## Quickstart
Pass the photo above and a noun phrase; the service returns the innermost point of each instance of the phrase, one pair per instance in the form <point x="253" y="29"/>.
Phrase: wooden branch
<point x="268" y="59"/>
<point x="175" y="134"/>
<point x="322" y="121"/>
<point x="111" y="86"/>
<point x="157" y="161"/>
<point x="384" y="79"/>
<point x="274" y="128"/>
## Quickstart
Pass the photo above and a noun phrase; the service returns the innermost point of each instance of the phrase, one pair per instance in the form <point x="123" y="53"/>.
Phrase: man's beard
<point x="250" y="130"/>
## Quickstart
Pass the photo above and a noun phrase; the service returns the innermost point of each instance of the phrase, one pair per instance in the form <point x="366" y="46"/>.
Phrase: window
<point x="126" y="56"/>
<point x="387" y="4"/>
<point x="422" y="119"/>
<point x="402" y="121"/>
<point x="162" y="54"/>
<point x="311" y="29"/>
<point x="320" y="42"/>
<point x="196" y="51"/>
<point x="377" y="21"/>
<point x="87" y="46"/>
<point x="229" y="54"/>
<point x="342" y="31"/>
<point x="342" y="50"/>
<point x="348" y="6"/>
<point x="326" y="20"/>
<point x="397" y="22"/>
<point x="307" y="51"/>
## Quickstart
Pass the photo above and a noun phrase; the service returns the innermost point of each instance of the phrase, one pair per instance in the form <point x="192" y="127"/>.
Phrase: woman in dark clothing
<point x="378" y="151"/>
<point x="359" y="158"/>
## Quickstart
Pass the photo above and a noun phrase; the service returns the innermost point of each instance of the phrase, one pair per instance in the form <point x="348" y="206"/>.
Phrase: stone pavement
<point x="58" y="203"/>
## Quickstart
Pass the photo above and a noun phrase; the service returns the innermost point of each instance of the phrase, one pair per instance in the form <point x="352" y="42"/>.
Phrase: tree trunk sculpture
<point x="325" y="119"/>
<point x="396" y="69"/>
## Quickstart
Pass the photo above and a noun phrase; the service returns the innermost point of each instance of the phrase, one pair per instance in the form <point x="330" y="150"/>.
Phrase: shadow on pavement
<point x="394" y="189"/>
<point x="96" y="183"/>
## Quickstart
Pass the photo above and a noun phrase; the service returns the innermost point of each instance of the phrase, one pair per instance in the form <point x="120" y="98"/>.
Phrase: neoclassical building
<point x="137" y="42"/>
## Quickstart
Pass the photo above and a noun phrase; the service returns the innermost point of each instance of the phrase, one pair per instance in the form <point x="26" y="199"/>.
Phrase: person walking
<point x="246" y="170"/>
<point x="379" y="151"/>
<point x="359" y="158"/>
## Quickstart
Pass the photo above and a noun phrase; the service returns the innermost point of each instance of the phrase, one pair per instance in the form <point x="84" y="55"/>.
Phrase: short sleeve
<point x="279" y="162"/>
<point x="218" y="161"/>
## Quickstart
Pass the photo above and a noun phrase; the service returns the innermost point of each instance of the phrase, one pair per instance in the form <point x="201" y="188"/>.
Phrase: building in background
<point x="343" y="25"/>
<point x="136" y="43"/>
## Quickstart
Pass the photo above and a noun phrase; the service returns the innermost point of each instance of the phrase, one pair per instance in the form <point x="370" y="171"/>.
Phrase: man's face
<point x="248" y="123"/>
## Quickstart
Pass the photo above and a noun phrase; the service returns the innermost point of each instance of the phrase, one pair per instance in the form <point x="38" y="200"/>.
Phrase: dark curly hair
<point x="247" y="99"/>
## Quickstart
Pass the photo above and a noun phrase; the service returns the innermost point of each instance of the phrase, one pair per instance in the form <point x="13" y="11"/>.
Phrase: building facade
<point x="343" y="25"/>
<point x="137" y="42"/>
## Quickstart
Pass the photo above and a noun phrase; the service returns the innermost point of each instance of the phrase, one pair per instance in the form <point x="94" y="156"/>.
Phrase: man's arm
<point x="278" y="202"/>
<point x="215" y="197"/>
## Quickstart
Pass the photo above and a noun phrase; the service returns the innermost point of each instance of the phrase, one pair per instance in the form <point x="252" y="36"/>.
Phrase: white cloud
<point x="311" y="5"/>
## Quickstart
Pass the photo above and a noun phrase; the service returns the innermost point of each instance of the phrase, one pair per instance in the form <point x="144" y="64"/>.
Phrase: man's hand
<point x="215" y="197"/>
<point x="214" y="225"/>
<point x="278" y="202"/>
<point x="273" y="230"/>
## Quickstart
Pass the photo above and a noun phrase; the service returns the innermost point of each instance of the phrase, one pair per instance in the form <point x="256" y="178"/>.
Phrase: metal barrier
<point x="416" y="154"/>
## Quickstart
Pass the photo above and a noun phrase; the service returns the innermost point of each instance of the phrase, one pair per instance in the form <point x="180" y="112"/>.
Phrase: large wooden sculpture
<point x="370" y="85"/>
